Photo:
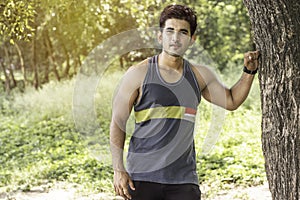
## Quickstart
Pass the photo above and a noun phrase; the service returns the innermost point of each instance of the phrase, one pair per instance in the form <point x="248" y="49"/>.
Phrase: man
<point x="165" y="91"/>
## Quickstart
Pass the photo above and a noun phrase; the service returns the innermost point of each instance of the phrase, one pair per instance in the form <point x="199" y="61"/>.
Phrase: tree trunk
<point x="7" y="81"/>
<point x="34" y="65"/>
<point x="20" y="54"/>
<point x="67" y="57"/>
<point x="46" y="68"/>
<point x="77" y="63"/>
<point x="51" y="55"/>
<point x="9" y="68"/>
<point x="121" y="62"/>
<point x="276" y="27"/>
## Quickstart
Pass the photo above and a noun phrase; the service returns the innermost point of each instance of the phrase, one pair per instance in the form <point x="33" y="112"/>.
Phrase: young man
<point x="165" y="91"/>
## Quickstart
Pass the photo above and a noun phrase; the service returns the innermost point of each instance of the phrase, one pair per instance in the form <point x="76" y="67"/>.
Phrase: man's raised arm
<point x="215" y="92"/>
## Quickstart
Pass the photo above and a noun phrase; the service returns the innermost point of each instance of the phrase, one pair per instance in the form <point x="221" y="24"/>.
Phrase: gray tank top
<point x="161" y="149"/>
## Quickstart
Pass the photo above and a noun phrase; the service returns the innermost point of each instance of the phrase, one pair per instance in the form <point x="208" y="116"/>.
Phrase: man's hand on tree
<point x="251" y="60"/>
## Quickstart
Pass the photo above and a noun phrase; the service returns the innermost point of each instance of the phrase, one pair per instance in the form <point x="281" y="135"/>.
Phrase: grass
<point x="39" y="142"/>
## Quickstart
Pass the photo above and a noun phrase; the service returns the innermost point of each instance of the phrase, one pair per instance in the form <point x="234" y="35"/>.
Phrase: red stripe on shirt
<point x="190" y="111"/>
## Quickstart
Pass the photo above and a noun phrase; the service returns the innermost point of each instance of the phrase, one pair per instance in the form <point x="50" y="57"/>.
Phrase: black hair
<point x="179" y="12"/>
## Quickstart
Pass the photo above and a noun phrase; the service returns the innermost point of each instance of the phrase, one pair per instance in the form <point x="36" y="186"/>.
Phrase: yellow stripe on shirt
<point x="172" y="112"/>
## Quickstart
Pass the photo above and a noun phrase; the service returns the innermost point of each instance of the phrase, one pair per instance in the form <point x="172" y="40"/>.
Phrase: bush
<point x="39" y="141"/>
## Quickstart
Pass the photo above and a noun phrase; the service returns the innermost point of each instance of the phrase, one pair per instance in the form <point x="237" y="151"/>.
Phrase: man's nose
<point x="175" y="36"/>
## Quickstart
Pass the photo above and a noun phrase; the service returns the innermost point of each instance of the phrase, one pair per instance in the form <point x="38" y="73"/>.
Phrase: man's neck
<point x="167" y="61"/>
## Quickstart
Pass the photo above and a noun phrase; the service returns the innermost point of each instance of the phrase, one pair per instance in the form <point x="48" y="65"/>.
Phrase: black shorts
<point x="156" y="191"/>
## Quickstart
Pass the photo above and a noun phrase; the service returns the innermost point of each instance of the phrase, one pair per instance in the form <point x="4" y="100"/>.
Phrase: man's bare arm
<point x="215" y="92"/>
<point x="123" y="101"/>
<point x="117" y="139"/>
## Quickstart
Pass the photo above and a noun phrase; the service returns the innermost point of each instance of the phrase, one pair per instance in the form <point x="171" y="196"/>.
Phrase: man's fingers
<point x="123" y="192"/>
<point x="122" y="182"/>
<point x="255" y="55"/>
<point x="252" y="55"/>
<point x="118" y="191"/>
<point x="126" y="194"/>
<point x="131" y="185"/>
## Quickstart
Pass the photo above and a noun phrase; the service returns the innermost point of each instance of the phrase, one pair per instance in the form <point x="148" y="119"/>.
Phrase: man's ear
<point x="193" y="39"/>
<point x="159" y="37"/>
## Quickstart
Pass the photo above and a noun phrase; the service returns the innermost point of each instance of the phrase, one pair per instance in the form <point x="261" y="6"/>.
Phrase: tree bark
<point x="36" y="82"/>
<point x="77" y="62"/>
<point x="7" y="81"/>
<point x="46" y="68"/>
<point x="67" y="57"/>
<point x="51" y="55"/>
<point x="9" y="64"/>
<point x="20" y="54"/>
<point x="276" y="27"/>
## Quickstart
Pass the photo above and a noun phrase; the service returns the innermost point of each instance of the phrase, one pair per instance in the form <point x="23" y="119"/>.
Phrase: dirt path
<point x="69" y="192"/>
<point x="252" y="193"/>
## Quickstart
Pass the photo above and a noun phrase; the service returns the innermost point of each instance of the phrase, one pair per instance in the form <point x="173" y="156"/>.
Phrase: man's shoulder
<point x="141" y="65"/>
<point x="136" y="73"/>
<point x="198" y="67"/>
<point x="201" y="70"/>
<point x="203" y="73"/>
<point x="139" y="68"/>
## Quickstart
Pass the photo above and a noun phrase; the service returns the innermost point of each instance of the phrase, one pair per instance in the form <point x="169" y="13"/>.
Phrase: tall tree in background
<point x="276" y="27"/>
<point x="16" y="19"/>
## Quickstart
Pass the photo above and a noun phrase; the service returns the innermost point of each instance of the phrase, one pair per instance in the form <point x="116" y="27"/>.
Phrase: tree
<point x="16" y="18"/>
<point x="276" y="28"/>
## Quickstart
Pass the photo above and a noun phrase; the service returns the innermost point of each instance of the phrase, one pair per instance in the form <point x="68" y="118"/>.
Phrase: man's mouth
<point x="175" y="46"/>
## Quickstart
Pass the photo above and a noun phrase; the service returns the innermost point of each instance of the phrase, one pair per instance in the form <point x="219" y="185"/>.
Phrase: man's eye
<point x="183" y="32"/>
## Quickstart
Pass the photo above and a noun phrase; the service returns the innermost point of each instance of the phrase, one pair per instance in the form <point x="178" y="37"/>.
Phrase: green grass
<point x="237" y="156"/>
<point x="39" y="142"/>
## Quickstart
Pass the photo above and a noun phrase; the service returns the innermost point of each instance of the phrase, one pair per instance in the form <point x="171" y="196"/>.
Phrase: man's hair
<point x="179" y="12"/>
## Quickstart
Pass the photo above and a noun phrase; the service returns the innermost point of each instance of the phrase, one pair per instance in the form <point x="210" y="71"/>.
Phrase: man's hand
<point x="251" y="60"/>
<point x="121" y="182"/>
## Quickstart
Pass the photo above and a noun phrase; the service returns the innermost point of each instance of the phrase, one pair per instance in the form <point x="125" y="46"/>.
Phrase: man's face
<point x="175" y="37"/>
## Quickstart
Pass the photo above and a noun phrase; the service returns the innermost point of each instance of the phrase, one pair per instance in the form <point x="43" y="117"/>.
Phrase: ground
<point x="64" y="191"/>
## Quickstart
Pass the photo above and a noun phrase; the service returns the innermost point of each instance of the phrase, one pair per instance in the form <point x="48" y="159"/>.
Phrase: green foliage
<point x="54" y="100"/>
<point x="224" y="31"/>
<point x="236" y="158"/>
<point x="16" y="18"/>
<point x="65" y="32"/>
<point x="47" y="150"/>
<point x="40" y="142"/>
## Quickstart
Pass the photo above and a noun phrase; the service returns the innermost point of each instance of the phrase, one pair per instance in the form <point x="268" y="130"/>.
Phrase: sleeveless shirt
<point x="161" y="149"/>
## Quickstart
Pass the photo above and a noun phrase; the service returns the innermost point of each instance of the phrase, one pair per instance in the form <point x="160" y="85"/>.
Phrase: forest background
<point x="43" y="46"/>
